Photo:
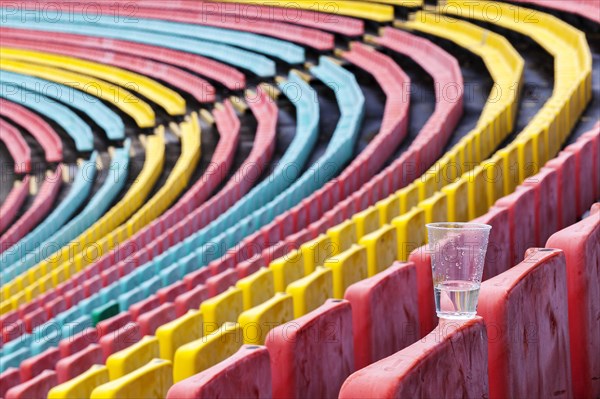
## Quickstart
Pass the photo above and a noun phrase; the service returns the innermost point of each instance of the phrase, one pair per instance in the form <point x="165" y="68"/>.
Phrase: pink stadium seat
<point x="155" y="318"/>
<point x="36" y="212"/>
<point x="449" y="362"/>
<point x="8" y="379"/>
<point x="120" y="339"/>
<point x="11" y="205"/>
<point x="521" y="208"/>
<point x="545" y="185"/>
<point x="249" y="368"/>
<point x="565" y="167"/>
<point x="580" y="243"/>
<point x="584" y="174"/>
<point x="144" y="306"/>
<point x="17" y="146"/>
<point x="72" y="345"/>
<point x="190" y="300"/>
<point x="71" y="366"/>
<point x="34" y="365"/>
<point x="593" y="137"/>
<point x="497" y="257"/>
<point x="37" y="387"/>
<point x="111" y="324"/>
<point x="526" y="314"/>
<point x="312" y="355"/>
<point x="374" y="300"/>
<point x="427" y="316"/>
<point x="45" y="135"/>
<point x="168" y="294"/>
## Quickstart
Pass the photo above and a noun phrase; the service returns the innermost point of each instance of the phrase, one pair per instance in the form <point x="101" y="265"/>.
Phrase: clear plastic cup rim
<point x="458" y="226"/>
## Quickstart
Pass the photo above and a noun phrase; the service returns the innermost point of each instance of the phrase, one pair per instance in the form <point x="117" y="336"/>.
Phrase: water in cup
<point x="456" y="299"/>
<point x="457" y="260"/>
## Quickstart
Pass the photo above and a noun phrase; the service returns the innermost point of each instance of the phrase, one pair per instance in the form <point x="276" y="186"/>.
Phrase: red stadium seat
<point x="312" y="355"/>
<point x="580" y="243"/>
<point x="249" y="368"/>
<point x="449" y="362"/>
<point x="374" y="300"/>
<point x="526" y="314"/>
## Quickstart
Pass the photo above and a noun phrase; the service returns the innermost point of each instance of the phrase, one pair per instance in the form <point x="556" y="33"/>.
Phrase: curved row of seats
<point x="163" y="37"/>
<point x="390" y="115"/>
<point x="589" y="9"/>
<point x="165" y="314"/>
<point x="17" y="146"/>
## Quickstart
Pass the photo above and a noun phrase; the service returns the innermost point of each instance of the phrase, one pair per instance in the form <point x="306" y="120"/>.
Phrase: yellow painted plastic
<point x="435" y="207"/>
<point x="494" y="172"/>
<point x="357" y="9"/>
<point x="347" y="268"/>
<point x="388" y="209"/>
<point x="150" y="381"/>
<point x="342" y="236"/>
<point x="286" y="269"/>
<point x="141" y="112"/>
<point x="477" y="185"/>
<point x="258" y="321"/>
<point x="82" y="385"/>
<point x="165" y="97"/>
<point x="205" y="352"/>
<point x="311" y="291"/>
<point x="457" y="197"/>
<point x="221" y="308"/>
<point x="428" y="183"/>
<point x="100" y="237"/>
<point x="510" y="167"/>
<point x="366" y="221"/>
<point x="133" y="357"/>
<point x="382" y="249"/>
<point x="527" y="166"/>
<point x="179" y="332"/>
<point x="409" y="197"/>
<point x="410" y="232"/>
<point x="257" y="287"/>
<point x="315" y="252"/>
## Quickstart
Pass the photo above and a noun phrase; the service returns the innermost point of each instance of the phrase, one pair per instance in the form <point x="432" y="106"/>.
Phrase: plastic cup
<point x="457" y="260"/>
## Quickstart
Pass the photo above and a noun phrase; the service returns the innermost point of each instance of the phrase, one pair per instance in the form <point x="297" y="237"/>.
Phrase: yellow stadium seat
<point x="311" y="291"/>
<point x="477" y="186"/>
<point x="179" y="332"/>
<point x="428" y="183"/>
<point x="494" y="172"/>
<point x="258" y="321"/>
<point x="342" y="236"/>
<point x="382" y="249"/>
<point x="219" y="309"/>
<point x="347" y="268"/>
<point x="132" y="358"/>
<point x="409" y="197"/>
<point x="527" y="165"/>
<point x="435" y="207"/>
<point x="366" y="221"/>
<point x="257" y="287"/>
<point x="286" y="269"/>
<point x="388" y="208"/>
<point x="150" y="381"/>
<point x="510" y="167"/>
<point x="315" y="252"/>
<point x="457" y="197"/>
<point x="82" y="385"/>
<point x="205" y="352"/>
<point x="410" y="231"/>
